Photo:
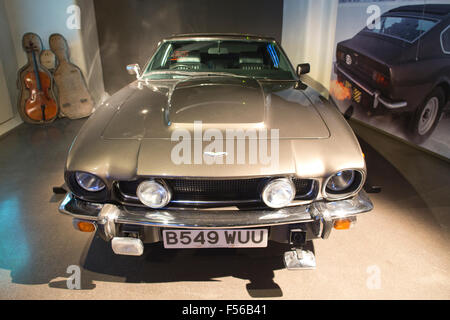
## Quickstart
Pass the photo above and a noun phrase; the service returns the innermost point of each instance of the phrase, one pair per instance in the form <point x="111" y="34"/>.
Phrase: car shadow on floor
<point x="159" y="265"/>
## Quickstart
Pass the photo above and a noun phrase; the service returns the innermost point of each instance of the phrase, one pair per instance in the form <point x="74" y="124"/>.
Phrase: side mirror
<point x="134" y="69"/>
<point x="303" y="68"/>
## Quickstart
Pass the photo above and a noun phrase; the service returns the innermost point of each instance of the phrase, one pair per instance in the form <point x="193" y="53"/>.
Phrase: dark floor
<point x="399" y="250"/>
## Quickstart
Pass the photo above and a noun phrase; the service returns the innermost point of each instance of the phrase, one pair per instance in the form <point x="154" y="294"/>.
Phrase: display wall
<point x="129" y="31"/>
<point x="423" y="62"/>
<point x="308" y="35"/>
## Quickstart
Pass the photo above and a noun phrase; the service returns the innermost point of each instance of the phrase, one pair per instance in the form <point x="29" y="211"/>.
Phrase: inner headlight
<point x="278" y="193"/>
<point x="89" y="182"/>
<point x="153" y="194"/>
<point x="341" y="181"/>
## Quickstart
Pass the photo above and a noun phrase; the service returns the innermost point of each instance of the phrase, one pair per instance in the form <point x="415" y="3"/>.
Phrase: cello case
<point x="24" y="93"/>
<point x="48" y="60"/>
<point x="74" y="98"/>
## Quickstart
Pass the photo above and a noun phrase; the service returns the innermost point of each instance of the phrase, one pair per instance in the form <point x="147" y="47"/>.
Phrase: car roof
<point x="428" y="10"/>
<point x="226" y="36"/>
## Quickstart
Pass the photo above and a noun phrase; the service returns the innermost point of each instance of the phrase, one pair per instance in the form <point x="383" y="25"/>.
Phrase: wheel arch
<point x="445" y="86"/>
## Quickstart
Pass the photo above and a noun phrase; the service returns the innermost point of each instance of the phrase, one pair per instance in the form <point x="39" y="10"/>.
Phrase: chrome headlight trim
<point x="89" y="182"/>
<point x="345" y="177"/>
<point x="358" y="183"/>
<point x="264" y="193"/>
<point x="167" y="196"/>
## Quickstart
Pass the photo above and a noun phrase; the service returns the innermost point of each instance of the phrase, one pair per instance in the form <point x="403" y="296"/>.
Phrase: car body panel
<point x="221" y="103"/>
<point x="331" y="148"/>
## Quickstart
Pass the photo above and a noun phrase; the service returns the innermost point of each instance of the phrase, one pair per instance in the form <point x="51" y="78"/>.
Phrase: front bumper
<point x="377" y="97"/>
<point x="108" y="216"/>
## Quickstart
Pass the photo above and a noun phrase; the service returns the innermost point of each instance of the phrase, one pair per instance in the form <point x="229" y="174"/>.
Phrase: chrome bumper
<point x="374" y="93"/>
<point x="108" y="215"/>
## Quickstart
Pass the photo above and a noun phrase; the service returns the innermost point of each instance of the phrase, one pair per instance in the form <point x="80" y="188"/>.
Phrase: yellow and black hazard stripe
<point x="356" y="95"/>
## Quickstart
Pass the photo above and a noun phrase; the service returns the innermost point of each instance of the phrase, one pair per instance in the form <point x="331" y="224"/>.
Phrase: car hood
<point x="156" y="109"/>
<point x="130" y="134"/>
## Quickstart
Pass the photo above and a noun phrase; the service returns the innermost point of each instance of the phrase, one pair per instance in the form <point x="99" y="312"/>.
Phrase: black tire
<point x="420" y="128"/>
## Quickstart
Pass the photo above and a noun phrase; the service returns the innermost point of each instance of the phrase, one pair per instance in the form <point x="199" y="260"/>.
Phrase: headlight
<point x="341" y="180"/>
<point x="153" y="194"/>
<point x="278" y="193"/>
<point x="344" y="184"/>
<point x="89" y="182"/>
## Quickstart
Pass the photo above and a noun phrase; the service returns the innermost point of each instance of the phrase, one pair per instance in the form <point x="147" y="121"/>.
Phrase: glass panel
<point x="259" y="59"/>
<point x="446" y="40"/>
<point x="404" y="28"/>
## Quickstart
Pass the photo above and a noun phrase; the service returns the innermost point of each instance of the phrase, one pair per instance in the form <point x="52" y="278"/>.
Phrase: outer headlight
<point x="343" y="184"/>
<point x="278" y="193"/>
<point x="89" y="182"/>
<point x="153" y="194"/>
<point x="341" y="180"/>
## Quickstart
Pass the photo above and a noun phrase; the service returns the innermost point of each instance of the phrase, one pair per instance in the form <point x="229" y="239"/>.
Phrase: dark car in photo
<point x="401" y="65"/>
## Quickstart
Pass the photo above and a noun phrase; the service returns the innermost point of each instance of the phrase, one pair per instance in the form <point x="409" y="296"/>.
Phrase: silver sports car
<point x="217" y="144"/>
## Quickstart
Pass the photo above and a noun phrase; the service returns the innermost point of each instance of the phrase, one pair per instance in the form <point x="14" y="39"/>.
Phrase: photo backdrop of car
<point x="395" y="72"/>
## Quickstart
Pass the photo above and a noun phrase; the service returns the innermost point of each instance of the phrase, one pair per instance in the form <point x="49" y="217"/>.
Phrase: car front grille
<point x="215" y="192"/>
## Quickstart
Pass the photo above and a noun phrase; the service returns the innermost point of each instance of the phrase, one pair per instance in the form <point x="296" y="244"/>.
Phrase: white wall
<point x="308" y="35"/>
<point x="91" y="50"/>
<point x="6" y="111"/>
<point x="8" y="68"/>
<point x="43" y="17"/>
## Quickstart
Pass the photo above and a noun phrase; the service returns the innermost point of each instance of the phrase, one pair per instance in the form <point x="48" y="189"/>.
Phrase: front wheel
<point x="427" y="116"/>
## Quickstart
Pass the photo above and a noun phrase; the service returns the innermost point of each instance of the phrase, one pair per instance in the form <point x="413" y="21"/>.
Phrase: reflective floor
<point x="400" y="250"/>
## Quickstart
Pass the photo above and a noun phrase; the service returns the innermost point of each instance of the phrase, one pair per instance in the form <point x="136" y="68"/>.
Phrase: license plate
<point x="254" y="238"/>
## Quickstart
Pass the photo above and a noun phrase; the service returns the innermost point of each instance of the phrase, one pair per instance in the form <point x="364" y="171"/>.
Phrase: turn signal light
<point x="343" y="224"/>
<point x="84" y="226"/>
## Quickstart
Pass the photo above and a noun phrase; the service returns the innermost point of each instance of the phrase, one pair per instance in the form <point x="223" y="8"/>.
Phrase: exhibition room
<point x="225" y="150"/>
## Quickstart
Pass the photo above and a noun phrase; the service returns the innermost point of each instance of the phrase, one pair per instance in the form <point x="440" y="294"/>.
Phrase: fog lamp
<point x="89" y="182"/>
<point x="341" y="180"/>
<point x="278" y="193"/>
<point x="153" y="194"/>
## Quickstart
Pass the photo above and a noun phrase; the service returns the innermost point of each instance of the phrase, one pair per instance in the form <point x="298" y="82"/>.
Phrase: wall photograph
<point x="392" y="68"/>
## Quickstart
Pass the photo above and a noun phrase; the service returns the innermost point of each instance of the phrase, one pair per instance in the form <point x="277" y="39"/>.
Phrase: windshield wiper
<point x="175" y="72"/>
<point x="210" y="73"/>
<point x="195" y="73"/>
<point x="224" y="74"/>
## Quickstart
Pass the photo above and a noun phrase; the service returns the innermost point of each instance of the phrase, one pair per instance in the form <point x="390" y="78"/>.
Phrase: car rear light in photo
<point x="380" y="79"/>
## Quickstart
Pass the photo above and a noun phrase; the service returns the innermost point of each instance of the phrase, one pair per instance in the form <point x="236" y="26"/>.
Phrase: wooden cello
<point x="39" y="104"/>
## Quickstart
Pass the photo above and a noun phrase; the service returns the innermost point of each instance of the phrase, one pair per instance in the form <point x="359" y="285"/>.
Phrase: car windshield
<point x="408" y="29"/>
<point x="258" y="59"/>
